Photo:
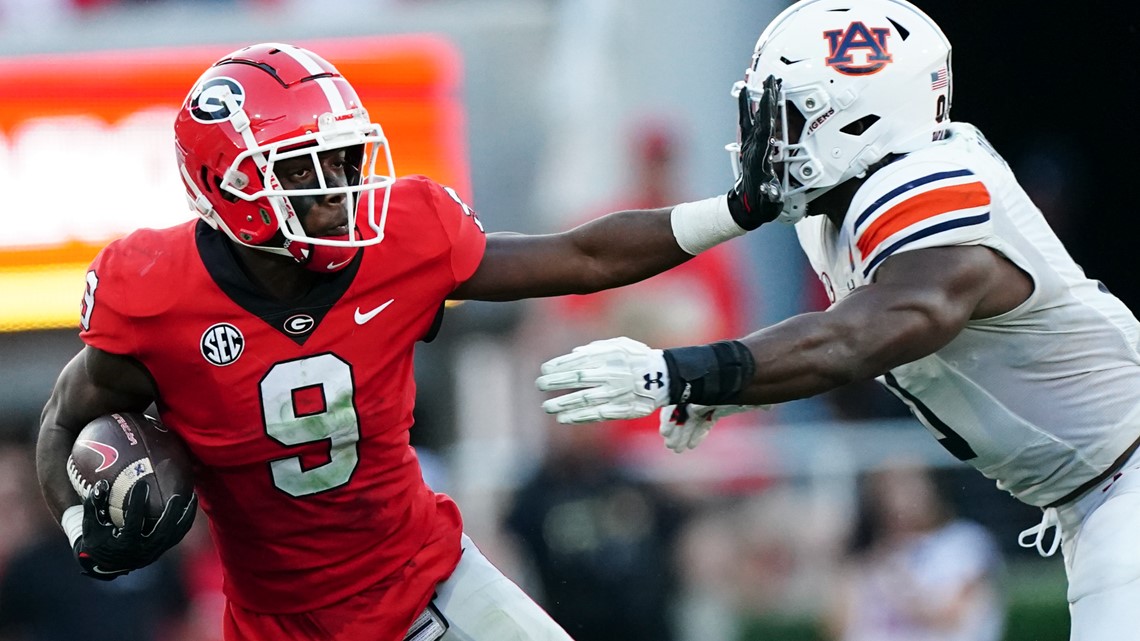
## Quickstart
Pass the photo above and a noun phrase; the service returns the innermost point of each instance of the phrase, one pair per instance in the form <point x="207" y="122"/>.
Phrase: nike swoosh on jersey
<point x="364" y="317"/>
<point x="333" y="266"/>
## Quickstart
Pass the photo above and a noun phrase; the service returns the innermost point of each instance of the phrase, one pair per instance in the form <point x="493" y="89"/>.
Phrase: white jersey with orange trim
<point x="1044" y="398"/>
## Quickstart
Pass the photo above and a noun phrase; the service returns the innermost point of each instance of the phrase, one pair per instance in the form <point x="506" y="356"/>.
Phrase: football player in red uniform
<point x="276" y="336"/>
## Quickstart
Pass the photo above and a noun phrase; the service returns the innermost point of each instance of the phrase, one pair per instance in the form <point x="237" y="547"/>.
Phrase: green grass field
<point x="1036" y="609"/>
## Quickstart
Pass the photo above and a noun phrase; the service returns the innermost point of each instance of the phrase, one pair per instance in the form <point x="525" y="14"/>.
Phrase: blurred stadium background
<point x="544" y="113"/>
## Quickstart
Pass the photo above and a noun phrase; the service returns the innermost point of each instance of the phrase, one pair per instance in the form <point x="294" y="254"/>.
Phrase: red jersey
<point x="299" y="412"/>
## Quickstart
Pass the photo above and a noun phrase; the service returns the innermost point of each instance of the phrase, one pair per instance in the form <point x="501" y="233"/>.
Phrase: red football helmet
<point x="258" y="106"/>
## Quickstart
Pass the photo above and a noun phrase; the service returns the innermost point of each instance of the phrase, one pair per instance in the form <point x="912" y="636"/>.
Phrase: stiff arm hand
<point x="755" y="198"/>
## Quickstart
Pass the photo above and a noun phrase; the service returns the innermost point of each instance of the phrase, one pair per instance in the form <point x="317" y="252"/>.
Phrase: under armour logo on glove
<point x="650" y="381"/>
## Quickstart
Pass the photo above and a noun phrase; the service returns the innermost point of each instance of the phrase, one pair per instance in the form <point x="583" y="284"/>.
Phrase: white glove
<point x="684" y="426"/>
<point x="622" y="379"/>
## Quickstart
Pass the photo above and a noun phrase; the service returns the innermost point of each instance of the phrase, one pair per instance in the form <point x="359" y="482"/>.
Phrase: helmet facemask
<point x="798" y="171"/>
<point x="363" y="143"/>
<point x="837" y="120"/>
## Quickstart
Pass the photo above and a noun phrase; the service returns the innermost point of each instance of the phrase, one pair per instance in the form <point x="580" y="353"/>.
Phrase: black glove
<point x="755" y="198"/>
<point x="106" y="552"/>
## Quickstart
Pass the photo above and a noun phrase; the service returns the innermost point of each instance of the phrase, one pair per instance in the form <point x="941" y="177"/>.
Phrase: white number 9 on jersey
<point x="305" y="401"/>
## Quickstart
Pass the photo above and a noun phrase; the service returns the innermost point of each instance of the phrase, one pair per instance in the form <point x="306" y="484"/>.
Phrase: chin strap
<point x="795" y="208"/>
<point x="328" y="259"/>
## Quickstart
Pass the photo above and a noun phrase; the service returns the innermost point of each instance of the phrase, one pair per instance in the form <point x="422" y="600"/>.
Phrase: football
<point x="128" y="448"/>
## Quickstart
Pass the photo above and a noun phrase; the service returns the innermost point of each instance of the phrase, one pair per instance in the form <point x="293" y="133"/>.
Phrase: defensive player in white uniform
<point x="947" y="285"/>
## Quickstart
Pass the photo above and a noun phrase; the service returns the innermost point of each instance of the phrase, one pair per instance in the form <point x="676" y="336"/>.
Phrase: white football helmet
<point x="860" y="79"/>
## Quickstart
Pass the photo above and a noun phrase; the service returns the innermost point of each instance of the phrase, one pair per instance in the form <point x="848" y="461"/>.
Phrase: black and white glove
<point x="755" y="198"/>
<point x="106" y="552"/>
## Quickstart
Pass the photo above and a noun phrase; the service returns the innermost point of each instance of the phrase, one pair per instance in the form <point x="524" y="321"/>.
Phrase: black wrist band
<point x="709" y="374"/>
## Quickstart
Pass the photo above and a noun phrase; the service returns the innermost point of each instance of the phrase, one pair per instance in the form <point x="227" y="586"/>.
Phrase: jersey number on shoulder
<point x="88" y="300"/>
<point x="306" y="401"/>
<point x="467" y="211"/>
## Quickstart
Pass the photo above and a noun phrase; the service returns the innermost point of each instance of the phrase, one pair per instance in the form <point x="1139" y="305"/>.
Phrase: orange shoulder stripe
<point x="920" y="207"/>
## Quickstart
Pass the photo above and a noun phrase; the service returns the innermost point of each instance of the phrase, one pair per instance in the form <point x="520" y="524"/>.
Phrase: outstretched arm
<point x="920" y="301"/>
<point x="629" y="246"/>
<point x="615" y="250"/>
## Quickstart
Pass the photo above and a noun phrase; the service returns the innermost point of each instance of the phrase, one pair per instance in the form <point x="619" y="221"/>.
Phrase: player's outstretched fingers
<point x="559" y="380"/>
<point x="580" y="416"/>
<point x="176" y="519"/>
<point x="566" y="402"/>
<point x="136" y="508"/>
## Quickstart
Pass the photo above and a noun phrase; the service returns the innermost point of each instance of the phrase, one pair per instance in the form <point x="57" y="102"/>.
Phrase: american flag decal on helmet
<point x="939" y="79"/>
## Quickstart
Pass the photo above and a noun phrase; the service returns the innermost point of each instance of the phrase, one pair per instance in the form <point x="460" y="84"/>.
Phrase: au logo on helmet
<point x="208" y="101"/>
<point x="871" y="42"/>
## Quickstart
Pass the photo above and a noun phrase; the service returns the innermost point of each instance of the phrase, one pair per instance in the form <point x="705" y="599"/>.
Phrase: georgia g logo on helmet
<point x="841" y="42"/>
<point x="208" y="100"/>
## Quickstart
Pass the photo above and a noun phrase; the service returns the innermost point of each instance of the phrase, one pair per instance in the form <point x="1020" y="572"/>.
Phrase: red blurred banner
<point x="87" y="154"/>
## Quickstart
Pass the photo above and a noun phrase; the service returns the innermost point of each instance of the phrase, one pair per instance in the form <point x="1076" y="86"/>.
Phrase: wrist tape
<point x="72" y="523"/>
<point x="703" y="224"/>
<point x="709" y="374"/>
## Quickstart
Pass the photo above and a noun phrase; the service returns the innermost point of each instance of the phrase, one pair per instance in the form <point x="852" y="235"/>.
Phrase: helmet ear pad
<point x="256" y="223"/>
